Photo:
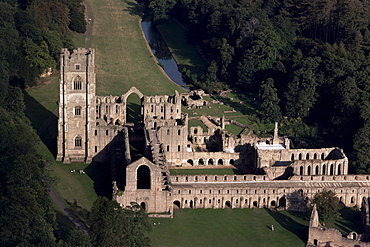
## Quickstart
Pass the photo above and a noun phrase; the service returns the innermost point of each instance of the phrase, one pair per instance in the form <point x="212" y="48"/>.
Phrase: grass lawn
<point x="122" y="56"/>
<point x="79" y="39"/>
<point x="195" y="123"/>
<point x="184" y="53"/>
<point x="229" y="227"/>
<point x="226" y="171"/>
<point x="211" y="110"/>
<point x="233" y="129"/>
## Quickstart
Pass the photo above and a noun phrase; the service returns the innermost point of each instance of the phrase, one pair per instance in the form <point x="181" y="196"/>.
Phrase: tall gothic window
<point x="78" y="142"/>
<point x="78" y="111"/>
<point x="77" y="83"/>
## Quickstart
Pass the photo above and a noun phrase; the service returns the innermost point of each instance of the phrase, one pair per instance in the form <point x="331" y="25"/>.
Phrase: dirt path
<point x="62" y="206"/>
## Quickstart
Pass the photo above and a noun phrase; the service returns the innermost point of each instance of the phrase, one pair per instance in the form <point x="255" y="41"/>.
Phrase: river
<point x="162" y="53"/>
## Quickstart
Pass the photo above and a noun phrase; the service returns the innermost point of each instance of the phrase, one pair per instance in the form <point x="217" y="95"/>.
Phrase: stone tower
<point x="76" y="105"/>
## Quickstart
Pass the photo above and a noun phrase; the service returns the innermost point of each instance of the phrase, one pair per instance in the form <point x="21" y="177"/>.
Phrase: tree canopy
<point x="112" y="225"/>
<point x="327" y="204"/>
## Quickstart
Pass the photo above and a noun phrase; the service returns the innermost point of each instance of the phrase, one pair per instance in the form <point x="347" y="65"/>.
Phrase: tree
<point x="161" y="9"/>
<point x="361" y="146"/>
<point x="301" y="95"/>
<point x="78" y="22"/>
<point x="327" y="204"/>
<point x="112" y="225"/>
<point x="270" y="101"/>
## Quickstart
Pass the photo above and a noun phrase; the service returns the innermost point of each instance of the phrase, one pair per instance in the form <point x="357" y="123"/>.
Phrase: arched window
<point x="317" y="170"/>
<point x="168" y="132"/>
<point x="299" y="156"/>
<point x="331" y="169"/>
<point x="78" y="111"/>
<point x="301" y="170"/>
<point x="324" y="169"/>
<point x="315" y="156"/>
<point x="307" y="156"/>
<point x="78" y="142"/>
<point x="339" y="170"/>
<point x="309" y="170"/>
<point x="77" y="83"/>
<point x="292" y="157"/>
<point x="178" y="132"/>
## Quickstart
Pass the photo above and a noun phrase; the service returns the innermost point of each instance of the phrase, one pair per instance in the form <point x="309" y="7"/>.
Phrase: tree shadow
<point x="63" y="226"/>
<point x="81" y="213"/>
<point x="43" y="121"/>
<point x="350" y="220"/>
<point x="291" y="225"/>
<point x="134" y="8"/>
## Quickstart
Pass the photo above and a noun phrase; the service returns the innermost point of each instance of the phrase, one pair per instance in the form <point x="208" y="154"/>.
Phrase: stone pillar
<point x="276" y="134"/>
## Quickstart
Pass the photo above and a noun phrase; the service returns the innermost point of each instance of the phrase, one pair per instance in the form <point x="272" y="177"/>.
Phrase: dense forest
<point x="32" y="35"/>
<point x="305" y="60"/>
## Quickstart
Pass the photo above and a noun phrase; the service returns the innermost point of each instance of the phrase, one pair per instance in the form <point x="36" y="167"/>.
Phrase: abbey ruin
<point x="271" y="173"/>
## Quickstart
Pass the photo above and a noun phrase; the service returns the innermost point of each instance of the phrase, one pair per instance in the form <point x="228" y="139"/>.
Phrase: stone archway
<point x="176" y="204"/>
<point x="132" y="107"/>
<point x="143" y="205"/>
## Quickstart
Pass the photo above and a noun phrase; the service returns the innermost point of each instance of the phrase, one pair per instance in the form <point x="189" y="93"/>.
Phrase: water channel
<point x="162" y="53"/>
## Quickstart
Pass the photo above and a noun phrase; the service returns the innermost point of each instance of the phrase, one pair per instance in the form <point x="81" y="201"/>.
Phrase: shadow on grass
<point x="43" y="121"/>
<point x="100" y="174"/>
<point x="68" y="232"/>
<point x="134" y="8"/>
<point x="63" y="226"/>
<point x="291" y="225"/>
<point x="81" y="213"/>
<point x="350" y="220"/>
<point x="238" y="171"/>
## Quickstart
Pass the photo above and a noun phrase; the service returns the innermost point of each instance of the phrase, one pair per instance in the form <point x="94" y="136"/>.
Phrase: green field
<point x="229" y="227"/>
<point x="122" y="56"/>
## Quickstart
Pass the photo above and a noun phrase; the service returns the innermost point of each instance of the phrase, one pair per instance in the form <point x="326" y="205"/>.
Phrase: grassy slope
<point x="229" y="227"/>
<point x="122" y="58"/>
<point x="185" y="54"/>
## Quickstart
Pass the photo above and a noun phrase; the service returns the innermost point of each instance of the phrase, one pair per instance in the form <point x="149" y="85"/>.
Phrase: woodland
<point x="305" y="61"/>
<point x="32" y="33"/>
